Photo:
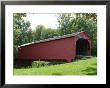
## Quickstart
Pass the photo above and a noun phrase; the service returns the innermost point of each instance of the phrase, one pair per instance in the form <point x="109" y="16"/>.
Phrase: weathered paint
<point x="59" y="49"/>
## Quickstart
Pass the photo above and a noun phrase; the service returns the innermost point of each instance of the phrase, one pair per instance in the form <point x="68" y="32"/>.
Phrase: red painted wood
<point x="59" y="49"/>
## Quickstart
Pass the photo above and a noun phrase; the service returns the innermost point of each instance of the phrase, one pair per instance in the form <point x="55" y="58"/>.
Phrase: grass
<point x="79" y="67"/>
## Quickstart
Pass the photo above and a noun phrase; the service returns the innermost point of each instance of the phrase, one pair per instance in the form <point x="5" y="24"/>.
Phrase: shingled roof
<point x="55" y="38"/>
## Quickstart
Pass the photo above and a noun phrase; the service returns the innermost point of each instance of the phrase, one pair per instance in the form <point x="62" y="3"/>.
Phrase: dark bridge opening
<point x="82" y="47"/>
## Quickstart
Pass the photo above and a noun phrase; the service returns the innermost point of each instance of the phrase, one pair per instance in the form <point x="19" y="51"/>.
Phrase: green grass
<point x="80" y="67"/>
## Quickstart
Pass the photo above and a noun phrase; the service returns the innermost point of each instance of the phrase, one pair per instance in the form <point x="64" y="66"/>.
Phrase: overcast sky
<point x="48" y="20"/>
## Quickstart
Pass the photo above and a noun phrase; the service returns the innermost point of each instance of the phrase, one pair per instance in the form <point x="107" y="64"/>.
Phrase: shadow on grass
<point x="56" y="63"/>
<point x="90" y="71"/>
<point x="57" y="74"/>
<point x="38" y="64"/>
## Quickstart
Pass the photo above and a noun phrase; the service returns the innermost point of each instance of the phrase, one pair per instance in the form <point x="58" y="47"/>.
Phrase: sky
<point x="48" y="20"/>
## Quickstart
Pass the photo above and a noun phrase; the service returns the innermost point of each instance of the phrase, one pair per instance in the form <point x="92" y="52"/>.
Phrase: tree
<point x="69" y="23"/>
<point x="49" y="33"/>
<point x="41" y="33"/>
<point x="21" y="29"/>
<point x="17" y="20"/>
<point x="22" y="32"/>
<point x="37" y="32"/>
<point x="65" y="22"/>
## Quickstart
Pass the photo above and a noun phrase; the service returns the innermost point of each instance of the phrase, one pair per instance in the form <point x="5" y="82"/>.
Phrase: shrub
<point x="45" y="63"/>
<point x="39" y="63"/>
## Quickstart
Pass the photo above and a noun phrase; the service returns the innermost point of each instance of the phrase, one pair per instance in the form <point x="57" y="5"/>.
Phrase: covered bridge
<point x="61" y="48"/>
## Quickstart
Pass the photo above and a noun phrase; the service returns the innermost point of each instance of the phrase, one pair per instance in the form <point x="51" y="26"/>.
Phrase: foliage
<point x="21" y="29"/>
<point x="39" y="64"/>
<point x="65" y="23"/>
<point x="41" y="33"/>
<point x="15" y="51"/>
<point x="37" y="32"/>
<point x="80" y="67"/>
<point x="22" y="32"/>
<point x="69" y="23"/>
<point x="48" y="33"/>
